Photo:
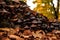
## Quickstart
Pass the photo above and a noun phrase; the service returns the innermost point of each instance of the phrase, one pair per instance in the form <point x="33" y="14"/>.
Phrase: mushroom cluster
<point x="18" y="22"/>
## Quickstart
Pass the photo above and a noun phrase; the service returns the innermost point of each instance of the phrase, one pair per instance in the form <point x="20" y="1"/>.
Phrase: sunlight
<point x="32" y="6"/>
<point x="55" y="3"/>
<point x="30" y="3"/>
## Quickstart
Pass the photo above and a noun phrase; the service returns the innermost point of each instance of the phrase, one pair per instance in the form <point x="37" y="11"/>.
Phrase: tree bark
<point x="55" y="12"/>
<point x="57" y="8"/>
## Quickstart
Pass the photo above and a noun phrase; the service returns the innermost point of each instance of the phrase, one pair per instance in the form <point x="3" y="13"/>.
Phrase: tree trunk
<point x="57" y="12"/>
